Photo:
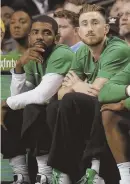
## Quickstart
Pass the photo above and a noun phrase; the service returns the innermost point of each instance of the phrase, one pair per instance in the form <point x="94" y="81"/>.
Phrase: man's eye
<point x="120" y="15"/>
<point x="34" y="32"/>
<point x="47" y="33"/>
<point x="85" y="23"/>
<point x="8" y="16"/>
<point x="23" y="22"/>
<point x="12" y="22"/>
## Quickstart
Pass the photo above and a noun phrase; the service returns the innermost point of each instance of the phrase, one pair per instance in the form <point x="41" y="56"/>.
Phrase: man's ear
<point x="29" y="39"/>
<point x="107" y="28"/>
<point x="76" y="30"/>
<point x="57" y="38"/>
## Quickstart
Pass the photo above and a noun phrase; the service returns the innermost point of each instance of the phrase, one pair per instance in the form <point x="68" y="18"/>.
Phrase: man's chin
<point x="92" y="42"/>
<point x="125" y="33"/>
<point x="17" y="38"/>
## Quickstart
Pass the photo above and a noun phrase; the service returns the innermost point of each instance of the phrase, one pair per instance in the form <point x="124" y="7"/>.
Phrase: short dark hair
<point x="93" y="8"/>
<point x="73" y="17"/>
<point x="22" y="10"/>
<point x="76" y="2"/>
<point x="47" y="19"/>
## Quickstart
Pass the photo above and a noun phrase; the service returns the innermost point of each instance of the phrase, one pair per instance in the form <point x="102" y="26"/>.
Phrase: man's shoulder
<point x="62" y="47"/>
<point x="61" y="50"/>
<point x="14" y="53"/>
<point x="115" y="43"/>
<point x="82" y="52"/>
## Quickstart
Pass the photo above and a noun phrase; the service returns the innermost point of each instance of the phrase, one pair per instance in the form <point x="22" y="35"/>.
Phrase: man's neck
<point x="21" y="46"/>
<point x="73" y="41"/>
<point x="97" y="50"/>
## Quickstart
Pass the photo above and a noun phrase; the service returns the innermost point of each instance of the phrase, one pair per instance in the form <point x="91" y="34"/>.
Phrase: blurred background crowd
<point x="48" y="7"/>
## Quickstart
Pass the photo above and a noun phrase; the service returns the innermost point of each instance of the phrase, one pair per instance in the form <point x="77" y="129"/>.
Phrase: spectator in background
<point x="37" y="7"/>
<point x="74" y="5"/>
<point x="19" y="29"/>
<point x="36" y="78"/>
<point x="116" y="111"/>
<point x="8" y="43"/>
<point x="58" y="8"/>
<point x="2" y="31"/>
<point x="125" y="22"/>
<point x="68" y="23"/>
<point x="33" y="7"/>
<point x="115" y="9"/>
<point x="54" y="4"/>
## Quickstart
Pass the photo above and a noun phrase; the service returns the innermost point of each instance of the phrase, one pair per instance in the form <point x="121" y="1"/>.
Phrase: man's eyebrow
<point x="34" y="30"/>
<point x="63" y="25"/>
<point x="94" y="20"/>
<point x="45" y="30"/>
<point x="22" y="18"/>
<point x="84" y="20"/>
<point x="7" y="13"/>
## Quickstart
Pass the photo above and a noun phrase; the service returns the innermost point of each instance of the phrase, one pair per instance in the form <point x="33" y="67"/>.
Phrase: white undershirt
<point x="42" y="93"/>
<point x="19" y="83"/>
<point x="128" y="90"/>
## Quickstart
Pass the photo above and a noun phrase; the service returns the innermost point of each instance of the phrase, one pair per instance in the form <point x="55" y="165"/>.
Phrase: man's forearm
<point x="127" y="103"/>
<point x="42" y="93"/>
<point x="112" y="93"/>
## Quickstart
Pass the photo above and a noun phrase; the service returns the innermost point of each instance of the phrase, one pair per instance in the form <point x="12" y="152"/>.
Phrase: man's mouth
<point x="41" y="44"/>
<point x="89" y="35"/>
<point x="16" y="32"/>
<point x="124" y="24"/>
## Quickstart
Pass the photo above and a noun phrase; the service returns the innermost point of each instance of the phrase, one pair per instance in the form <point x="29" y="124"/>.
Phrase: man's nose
<point x="40" y="37"/>
<point x="124" y="17"/>
<point x="89" y="27"/>
<point x="16" y="25"/>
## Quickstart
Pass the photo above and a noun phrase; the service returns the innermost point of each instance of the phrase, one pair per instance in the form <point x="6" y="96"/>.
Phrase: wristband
<point x="128" y="90"/>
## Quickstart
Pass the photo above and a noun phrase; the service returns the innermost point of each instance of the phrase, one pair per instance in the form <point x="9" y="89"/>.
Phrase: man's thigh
<point x="13" y="121"/>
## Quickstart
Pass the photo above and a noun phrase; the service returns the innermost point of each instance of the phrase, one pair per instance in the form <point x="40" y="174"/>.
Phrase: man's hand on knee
<point x="114" y="106"/>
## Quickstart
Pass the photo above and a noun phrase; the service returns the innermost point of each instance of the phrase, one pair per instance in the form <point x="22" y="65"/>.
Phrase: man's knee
<point x="31" y="107"/>
<point x="68" y="99"/>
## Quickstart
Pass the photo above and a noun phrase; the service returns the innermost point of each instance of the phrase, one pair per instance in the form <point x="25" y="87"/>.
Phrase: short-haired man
<point x="116" y="111"/>
<point x="96" y="61"/>
<point x="74" y="5"/>
<point x="35" y="80"/>
<point x="125" y="22"/>
<point x="20" y="23"/>
<point x="68" y="23"/>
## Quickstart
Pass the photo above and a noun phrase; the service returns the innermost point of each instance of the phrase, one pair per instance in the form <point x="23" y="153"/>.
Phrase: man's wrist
<point x="4" y="104"/>
<point x="128" y="90"/>
<point x="123" y="104"/>
<point x="19" y="68"/>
